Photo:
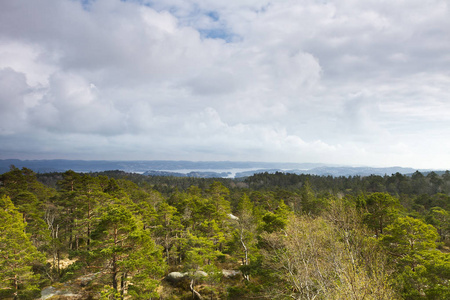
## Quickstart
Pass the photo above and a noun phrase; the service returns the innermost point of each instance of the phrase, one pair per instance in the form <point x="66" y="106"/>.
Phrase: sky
<point x="348" y="82"/>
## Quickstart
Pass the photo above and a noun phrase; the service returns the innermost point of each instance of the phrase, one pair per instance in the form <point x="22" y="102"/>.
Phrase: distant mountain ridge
<point x="197" y="168"/>
<point x="62" y="165"/>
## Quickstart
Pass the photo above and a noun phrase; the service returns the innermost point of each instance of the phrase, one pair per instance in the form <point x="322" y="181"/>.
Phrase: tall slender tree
<point x="17" y="255"/>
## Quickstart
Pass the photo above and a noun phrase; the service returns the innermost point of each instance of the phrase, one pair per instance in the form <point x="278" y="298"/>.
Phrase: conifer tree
<point x="421" y="269"/>
<point x="308" y="198"/>
<point x="121" y="241"/>
<point x="381" y="210"/>
<point x="17" y="255"/>
<point x="168" y="227"/>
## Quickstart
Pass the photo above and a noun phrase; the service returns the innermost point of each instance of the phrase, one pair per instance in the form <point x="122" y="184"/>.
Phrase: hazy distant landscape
<point x="211" y="169"/>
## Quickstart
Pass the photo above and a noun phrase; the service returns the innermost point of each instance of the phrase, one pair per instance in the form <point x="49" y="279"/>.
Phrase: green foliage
<point x="167" y="227"/>
<point x="381" y="210"/>
<point x="199" y="251"/>
<point x="422" y="271"/>
<point x="17" y="181"/>
<point x="316" y="259"/>
<point x="309" y="202"/>
<point x="146" y="265"/>
<point x="108" y="293"/>
<point x="17" y="255"/>
<point x="440" y="219"/>
<point x="128" y="250"/>
<point x="429" y="278"/>
<point x="276" y="221"/>
<point x="133" y="229"/>
<point x="407" y="237"/>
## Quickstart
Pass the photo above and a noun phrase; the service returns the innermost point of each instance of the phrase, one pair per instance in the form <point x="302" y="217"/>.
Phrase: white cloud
<point x="358" y="82"/>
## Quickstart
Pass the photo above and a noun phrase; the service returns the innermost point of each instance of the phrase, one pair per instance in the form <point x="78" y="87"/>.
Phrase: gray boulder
<point x="175" y="276"/>
<point x="233" y="217"/>
<point x="50" y="291"/>
<point x="200" y="274"/>
<point x="231" y="273"/>
<point x="86" y="279"/>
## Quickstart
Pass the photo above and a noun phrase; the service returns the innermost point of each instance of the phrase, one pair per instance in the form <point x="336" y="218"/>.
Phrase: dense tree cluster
<point x="268" y="236"/>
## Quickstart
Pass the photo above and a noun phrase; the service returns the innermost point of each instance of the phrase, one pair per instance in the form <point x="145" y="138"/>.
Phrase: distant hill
<point x="60" y="165"/>
<point x="361" y="171"/>
<point x="205" y="169"/>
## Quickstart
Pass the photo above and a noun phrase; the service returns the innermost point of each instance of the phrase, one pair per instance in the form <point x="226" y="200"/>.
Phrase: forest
<point x="117" y="235"/>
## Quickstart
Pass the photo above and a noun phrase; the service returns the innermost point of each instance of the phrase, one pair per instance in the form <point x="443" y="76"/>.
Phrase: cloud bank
<point x="344" y="82"/>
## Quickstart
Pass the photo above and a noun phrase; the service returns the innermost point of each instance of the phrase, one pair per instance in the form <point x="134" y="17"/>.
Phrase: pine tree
<point x="168" y="227"/>
<point x="422" y="270"/>
<point x="17" y="255"/>
<point x="121" y="241"/>
<point x="381" y="210"/>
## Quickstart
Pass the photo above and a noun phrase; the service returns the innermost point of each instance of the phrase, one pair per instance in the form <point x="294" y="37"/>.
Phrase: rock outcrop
<point x="71" y="290"/>
<point x="175" y="277"/>
<point x="231" y="273"/>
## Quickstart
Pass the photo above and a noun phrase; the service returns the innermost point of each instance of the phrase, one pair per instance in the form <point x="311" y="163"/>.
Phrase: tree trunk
<point x="123" y="284"/>
<point x="58" y="255"/>
<point x="195" y="294"/>
<point x="381" y="225"/>
<point x="16" y="286"/>
<point x="70" y="234"/>
<point x="166" y="242"/>
<point x="114" y="263"/>
<point x="88" y="240"/>
<point x="114" y="272"/>
<point x="246" y="262"/>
